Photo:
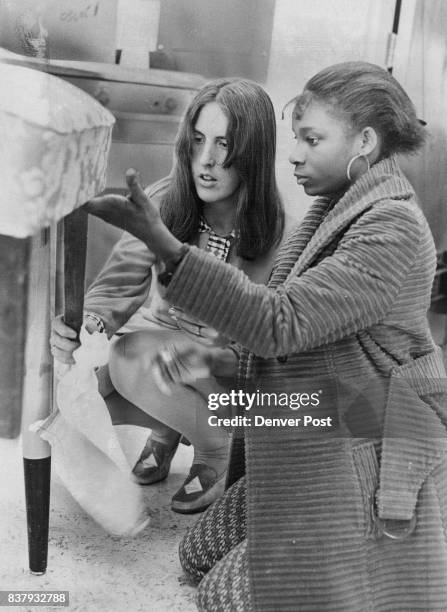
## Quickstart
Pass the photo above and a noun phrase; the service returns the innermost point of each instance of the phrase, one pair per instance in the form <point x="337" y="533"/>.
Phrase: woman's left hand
<point x="183" y="362"/>
<point x="137" y="215"/>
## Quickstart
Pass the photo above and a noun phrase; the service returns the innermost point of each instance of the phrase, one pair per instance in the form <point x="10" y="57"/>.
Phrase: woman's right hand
<point x="63" y="339"/>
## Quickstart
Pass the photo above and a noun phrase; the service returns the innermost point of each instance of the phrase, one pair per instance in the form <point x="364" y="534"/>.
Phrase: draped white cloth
<point x="85" y="449"/>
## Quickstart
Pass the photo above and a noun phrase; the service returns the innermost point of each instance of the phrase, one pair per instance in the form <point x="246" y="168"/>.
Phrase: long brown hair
<point x="251" y="151"/>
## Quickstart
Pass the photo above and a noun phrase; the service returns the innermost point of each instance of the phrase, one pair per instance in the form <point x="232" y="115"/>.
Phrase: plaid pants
<point x="214" y="553"/>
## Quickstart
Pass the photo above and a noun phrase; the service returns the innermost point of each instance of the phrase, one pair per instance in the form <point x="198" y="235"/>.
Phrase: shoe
<point x="154" y="462"/>
<point x="201" y="488"/>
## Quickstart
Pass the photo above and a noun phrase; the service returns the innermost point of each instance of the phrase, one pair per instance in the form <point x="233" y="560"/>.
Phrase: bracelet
<point x="164" y="278"/>
<point x="98" y="321"/>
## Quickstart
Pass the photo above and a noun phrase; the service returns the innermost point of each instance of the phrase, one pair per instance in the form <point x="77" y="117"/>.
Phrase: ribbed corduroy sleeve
<point x="346" y="292"/>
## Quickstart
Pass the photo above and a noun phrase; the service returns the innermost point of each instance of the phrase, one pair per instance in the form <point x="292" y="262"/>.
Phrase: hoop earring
<point x="358" y="156"/>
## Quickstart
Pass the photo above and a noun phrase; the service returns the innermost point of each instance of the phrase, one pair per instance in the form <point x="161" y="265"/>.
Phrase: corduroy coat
<point x="349" y="518"/>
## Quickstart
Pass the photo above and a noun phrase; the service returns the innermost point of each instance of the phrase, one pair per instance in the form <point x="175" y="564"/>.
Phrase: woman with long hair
<point x="343" y="506"/>
<point x="222" y="197"/>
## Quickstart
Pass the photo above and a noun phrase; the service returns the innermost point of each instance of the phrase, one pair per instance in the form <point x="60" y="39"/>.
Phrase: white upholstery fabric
<point x="54" y="144"/>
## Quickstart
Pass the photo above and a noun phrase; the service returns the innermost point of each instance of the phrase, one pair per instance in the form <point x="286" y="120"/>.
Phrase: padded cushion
<point x="54" y="144"/>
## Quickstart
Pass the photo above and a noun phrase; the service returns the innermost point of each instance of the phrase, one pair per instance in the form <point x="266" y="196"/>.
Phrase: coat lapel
<point x="320" y="227"/>
<point x="374" y="186"/>
<point x="297" y="241"/>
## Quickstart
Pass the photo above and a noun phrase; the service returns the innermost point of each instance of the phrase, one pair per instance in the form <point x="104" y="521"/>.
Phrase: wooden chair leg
<point x="37" y="396"/>
<point x="38" y="379"/>
<point x="37" y="495"/>
<point x="75" y="247"/>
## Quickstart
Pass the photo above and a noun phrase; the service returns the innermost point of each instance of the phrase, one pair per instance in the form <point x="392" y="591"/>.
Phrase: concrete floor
<point x="103" y="573"/>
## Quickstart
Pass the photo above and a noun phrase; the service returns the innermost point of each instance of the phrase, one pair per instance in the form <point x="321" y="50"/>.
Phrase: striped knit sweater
<point x="345" y="313"/>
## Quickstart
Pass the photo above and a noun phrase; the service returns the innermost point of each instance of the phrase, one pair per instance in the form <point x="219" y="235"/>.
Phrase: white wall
<point x="307" y="36"/>
<point x="421" y="67"/>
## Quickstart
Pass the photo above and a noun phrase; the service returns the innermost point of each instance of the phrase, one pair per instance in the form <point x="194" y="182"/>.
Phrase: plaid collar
<point x="219" y="246"/>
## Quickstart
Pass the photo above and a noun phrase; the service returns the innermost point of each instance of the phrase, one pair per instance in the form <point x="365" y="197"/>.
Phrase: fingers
<point x="62" y="348"/>
<point x="62" y="356"/>
<point x="61" y="329"/>
<point x="105" y="203"/>
<point x="137" y="193"/>
<point x="112" y="208"/>
<point x="196" y="359"/>
<point x="134" y="214"/>
<point x="62" y="341"/>
<point x="187" y="324"/>
<point x="179" y="364"/>
<point x="64" y="344"/>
